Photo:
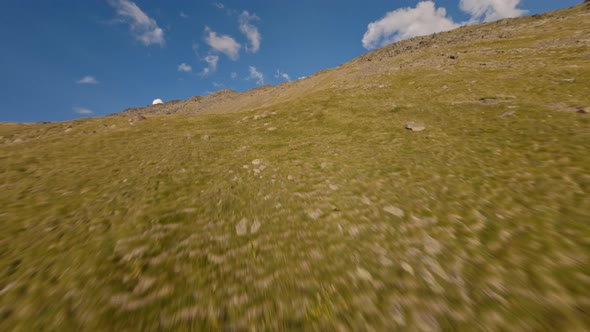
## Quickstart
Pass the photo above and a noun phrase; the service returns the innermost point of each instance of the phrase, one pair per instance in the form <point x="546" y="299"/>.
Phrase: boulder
<point x="413" y="126"/>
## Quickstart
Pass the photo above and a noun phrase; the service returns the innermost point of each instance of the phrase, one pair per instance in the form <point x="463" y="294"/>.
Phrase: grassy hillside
<point x="308" y="206"/>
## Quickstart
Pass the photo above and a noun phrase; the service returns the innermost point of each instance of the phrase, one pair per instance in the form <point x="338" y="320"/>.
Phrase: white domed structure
<point x="157" y="101"/>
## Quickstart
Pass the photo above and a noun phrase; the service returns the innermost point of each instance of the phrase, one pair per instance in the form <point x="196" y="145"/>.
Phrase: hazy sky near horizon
<point x="66" y="59"/>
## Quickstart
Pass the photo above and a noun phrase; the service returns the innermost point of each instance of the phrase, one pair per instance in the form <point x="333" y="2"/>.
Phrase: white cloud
<point x="183" y="15"/>
<point x="223" y="43"/>
<point x="87" y="80"/>
<point x="82" y="110"/>
<point x="406" y="23"/>
<point x="256" y="75"/>
<point x="425" y="19"/>
<point x="157" y="101"/>
<point x="233" y="75"/>
<point x="280" y="74"/>
<point x="185" y="68"/>
<point x="219" y="5"/>
<point x="212" y="61"/>
<point x="491" y="10"/>
<point x="250" y="31"/>
<point x="144" y="28"/>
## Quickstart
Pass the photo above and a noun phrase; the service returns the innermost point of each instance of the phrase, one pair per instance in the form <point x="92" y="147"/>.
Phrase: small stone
<point x="315" y="214"/>
<point x="432" y="246"/>
<point x="242" y="227"/>
<point x="394" y="211"/>
<point x="413" y="126"/>
<point x="333" y="187"/>
<point x="255" y="227"/>
<point x="256" y="161"/>
<point x="68" y="130"/>
<point x="454" y="56"/>
<point x="205" y="137"/>
<point x="569" y="80"/>
<point x="581" y="110"/>
<point x="271" y="128"/>
<point x="407" y="268"/>
<point x="397" y="313"/>
<point x="290" y="177"/>
<point x="506" y="114"/>
<point x="364" y="274"/>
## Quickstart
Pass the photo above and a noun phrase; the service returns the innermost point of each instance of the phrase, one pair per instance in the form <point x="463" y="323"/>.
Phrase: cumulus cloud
<point x="491" y="10"/>
<point x="250" y="31"/>
<point x="183" y="67"/>
<point x="283" y="75"/>
<point x="219" y="5"/>
<point x="183" y="15"/>
<point x="82" y="110"/>
<point x="256" y="75"/>
<point x="144" y="28"/>
<point x="157" y="101"/>
<point x="406" y="23"/>
<point x="425" y="19"/>
<point x="233" y="75"/>
<point x="87" y="80"/>
<point x="223" y="43"/>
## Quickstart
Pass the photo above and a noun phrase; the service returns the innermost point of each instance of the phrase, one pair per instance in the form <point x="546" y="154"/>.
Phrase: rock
<point x="582" y="110"/>
<point x="413" y="126"/>
<point x="242" y="227"/>
<point x="366" y="200"/>
<point x="505" y="114"/>
<point x="271" y="128"/>
<point x="205" y="137"/>
<point x="315" y="214"/>
<point x="364" y="274"/>
<point x="431" y="245"/>
<point x="489" y="101"/>
<point x="264" y="114"/>
<point x="256" y="161"/>
<point x="140" y="118"/>
<point x="569" y="80"/>
<point x="454" y="56"/>
<point x="397" y="313"/>
<point x="406" y="267"/>
<point x="255" y="227"/>
<point x="68" y="129"/>
<point x="394" y="211"/>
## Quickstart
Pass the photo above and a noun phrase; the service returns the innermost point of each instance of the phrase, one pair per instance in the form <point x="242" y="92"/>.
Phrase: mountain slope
<point x="308" y="206"/>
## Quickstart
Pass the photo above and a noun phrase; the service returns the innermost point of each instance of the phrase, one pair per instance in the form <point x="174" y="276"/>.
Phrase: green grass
<point x="133" y="227"/>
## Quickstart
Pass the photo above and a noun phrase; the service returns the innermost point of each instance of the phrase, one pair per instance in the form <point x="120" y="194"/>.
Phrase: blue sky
<point x="66" y="59"/>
